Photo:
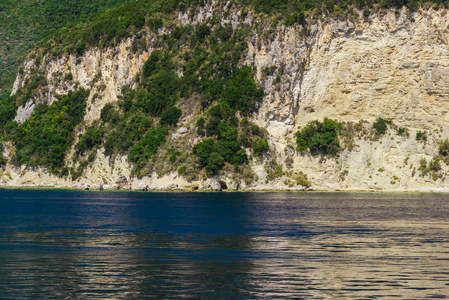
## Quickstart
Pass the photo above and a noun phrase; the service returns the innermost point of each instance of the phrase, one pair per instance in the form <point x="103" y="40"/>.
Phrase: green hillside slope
<point x="214" y="82"/>
<point x="24" y="23"/>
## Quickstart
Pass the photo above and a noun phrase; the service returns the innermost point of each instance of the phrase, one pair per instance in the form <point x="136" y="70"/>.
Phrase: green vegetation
<point x="45" y="137"/>
<point x="432" y="169"/>
<point x="93" y="137"/>
<point x="122" y="136"/>
<point x="443" y="151"/>
<point x="8" y="109"/>
<point x="422" y="164"/>
<point x="273" y="169"/>
<point x="260" y="146"/>
<point x="148" y="146"/>
<point x="208" y="156"/>
<point x="443" y="147"/>
<point x="26" y="22"/>
<point x="200" y="126"/>
<point x="170" y="116"/>
<point x="402" y="131"/>
<point x="130" y="129"/>
<point x="319" y="137"/>
<point x="421" y="136"/>
<point x="210" y="58"/>
<point x="109" y="114"/>
<point x="182" y="170"/>
<point x="210" y="63"/>
<point x="301" y="179"/>
<point x="434" y="164"/>
<point x="294" y="10"/>
<point x="2" y="158"/>
<point x="238" y="94"/>
<point x="380" y="125"/>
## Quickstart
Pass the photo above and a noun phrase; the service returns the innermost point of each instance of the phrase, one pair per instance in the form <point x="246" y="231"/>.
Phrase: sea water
<point x="125" y="245"/>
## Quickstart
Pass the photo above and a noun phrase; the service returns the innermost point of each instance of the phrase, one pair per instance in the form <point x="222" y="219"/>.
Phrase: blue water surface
<point x="129" y="245"/>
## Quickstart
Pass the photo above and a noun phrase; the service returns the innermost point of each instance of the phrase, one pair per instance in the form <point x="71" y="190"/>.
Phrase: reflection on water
<point x="229" y="245"/>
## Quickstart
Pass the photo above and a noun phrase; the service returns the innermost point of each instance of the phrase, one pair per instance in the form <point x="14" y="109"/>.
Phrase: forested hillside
<point x="26" y="22"/>
<point x="197" y="90"/>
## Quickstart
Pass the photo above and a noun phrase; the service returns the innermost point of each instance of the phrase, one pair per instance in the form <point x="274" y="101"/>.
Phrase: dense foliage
<point x="123" y="135"/>
<point x="131" y="131"/>
<point x="319" y="137"/>
<point x="24" y="23"/>
<point x="148" y="146"/>
<point x="92" y="137"/>
<point x="2" y="158"/>
<point x="8" y="108"/>
<point x="210" y="65"/>
<point x="45" y="137"/>
<point x="237" y="93"/>
<point x="260" y="146"/>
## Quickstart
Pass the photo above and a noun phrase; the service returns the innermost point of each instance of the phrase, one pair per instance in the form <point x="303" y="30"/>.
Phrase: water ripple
<point x="72" y="245"/>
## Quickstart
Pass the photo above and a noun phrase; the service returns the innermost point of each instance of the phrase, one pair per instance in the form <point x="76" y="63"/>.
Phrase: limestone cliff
<point x="393" y="65"/>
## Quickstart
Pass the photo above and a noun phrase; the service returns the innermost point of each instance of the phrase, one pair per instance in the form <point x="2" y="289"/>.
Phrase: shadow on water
<point x="63" y="244"/>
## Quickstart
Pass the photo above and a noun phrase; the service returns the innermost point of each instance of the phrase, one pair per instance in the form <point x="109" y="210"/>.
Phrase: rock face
<point x="82" y="187"/>
<point x="24" y="112"/>
<point x="105" y="72"/>
<point x="182" y="130"/>
<point x="215" y="185"/>
<point x="387" y="66"/>
<point x="142" y="187"/>
<point x="394" y="66"/>
<point x="97" y="187"/>
<point x="122" y="180"/>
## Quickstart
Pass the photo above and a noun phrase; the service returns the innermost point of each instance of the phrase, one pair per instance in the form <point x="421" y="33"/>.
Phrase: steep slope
<point x="25" y="23"/>
<point x="174" y="99"/>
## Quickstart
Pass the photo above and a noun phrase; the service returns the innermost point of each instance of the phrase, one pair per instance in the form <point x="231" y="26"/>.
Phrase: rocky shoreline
<point x="196" y="188"/>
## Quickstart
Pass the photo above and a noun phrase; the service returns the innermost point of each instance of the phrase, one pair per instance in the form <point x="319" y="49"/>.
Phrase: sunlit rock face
<point x="105" y="72"/>
<point x="386" y="66"/>
<point x="394" y="66"/>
